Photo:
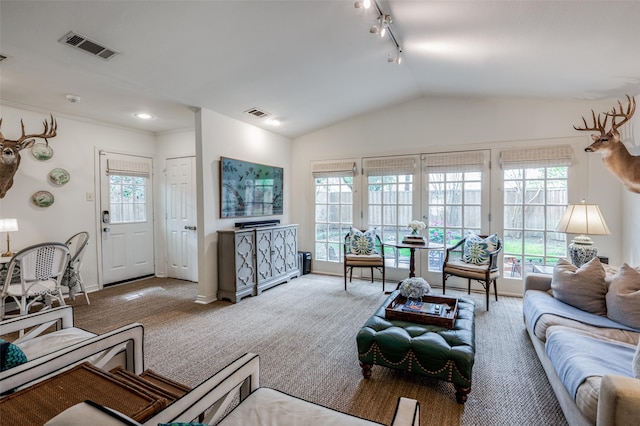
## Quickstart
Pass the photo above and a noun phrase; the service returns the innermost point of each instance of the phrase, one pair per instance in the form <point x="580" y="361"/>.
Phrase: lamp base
<point x="581" y="253"/>
<point x="7" y="254"/>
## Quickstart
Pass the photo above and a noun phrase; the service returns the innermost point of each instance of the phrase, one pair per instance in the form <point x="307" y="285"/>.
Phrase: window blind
<point x="341" y="168"/>
<point x="453" y="162"/>
<point x="128" y="168"/>
<point x="537" y="157"/>
<point x="389" y="166"/>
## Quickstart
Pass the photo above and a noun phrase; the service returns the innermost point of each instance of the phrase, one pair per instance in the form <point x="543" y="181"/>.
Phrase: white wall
<point x="216" y="136"/>
<point x="74" y="150"/>
<point x="434" y="124"/>
<point x="631" y="201"/>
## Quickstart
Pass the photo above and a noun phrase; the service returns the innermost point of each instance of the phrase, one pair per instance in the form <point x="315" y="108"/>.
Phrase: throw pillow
<point x="10" y="355"/>
<point x="623" y="297"/>
<point x="476" y="249"/>
<point x="363" y="242"/>
<point x="635" y="367"/>
<point x="584" y="288"/>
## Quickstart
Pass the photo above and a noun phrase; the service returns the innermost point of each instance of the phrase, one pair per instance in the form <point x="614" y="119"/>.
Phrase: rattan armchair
<point x="485" y="274"/>
<point x="373" y="260"/>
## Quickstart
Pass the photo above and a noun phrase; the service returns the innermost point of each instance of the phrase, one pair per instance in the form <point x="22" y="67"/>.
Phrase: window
<point x="390" y="202"/>
<point x="333" y="208"/>
<point x="455" y="198"/>
<point x="127" y="199"/>
<point x="535" y="197"/>
<point x="128" y="190"/>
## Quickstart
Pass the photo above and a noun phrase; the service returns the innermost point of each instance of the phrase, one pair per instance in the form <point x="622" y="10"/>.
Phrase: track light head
<point x="395" y="58"/>
<point x="374" y="29"/>
<point x="366" y="4"/>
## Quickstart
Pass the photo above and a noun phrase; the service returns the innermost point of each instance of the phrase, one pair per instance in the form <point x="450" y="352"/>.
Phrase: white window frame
<point x="517" y="263"/>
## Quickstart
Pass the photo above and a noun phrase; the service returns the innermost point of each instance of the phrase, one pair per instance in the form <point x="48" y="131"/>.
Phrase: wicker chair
<point x="77" y="246"/>
<point x="41" y="269"/>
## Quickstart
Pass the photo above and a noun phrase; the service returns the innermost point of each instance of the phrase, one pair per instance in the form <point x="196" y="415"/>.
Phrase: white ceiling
<point x="308" y="63"/>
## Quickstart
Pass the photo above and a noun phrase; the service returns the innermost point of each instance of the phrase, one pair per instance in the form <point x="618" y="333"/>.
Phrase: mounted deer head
<point x="615" y="155"/>
<point x="10" y="152"/>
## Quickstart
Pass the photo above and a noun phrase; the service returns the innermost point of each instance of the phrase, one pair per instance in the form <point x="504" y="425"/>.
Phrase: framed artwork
<point x="249" y="189"/>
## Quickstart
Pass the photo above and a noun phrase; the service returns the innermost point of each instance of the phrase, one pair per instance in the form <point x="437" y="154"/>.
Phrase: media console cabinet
<point x="252" y="260"/>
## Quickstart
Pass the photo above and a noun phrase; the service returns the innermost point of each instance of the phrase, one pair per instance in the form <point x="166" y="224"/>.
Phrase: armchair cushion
<point x="362" y="242"/>
<point x="477" y="250"/>
<point x="89" y="412"/>
<point x="271" y="407"/>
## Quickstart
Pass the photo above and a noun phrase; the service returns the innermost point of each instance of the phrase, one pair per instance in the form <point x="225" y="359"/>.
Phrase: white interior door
<point x="126" y="200"/>
<point x="182" y="250"/>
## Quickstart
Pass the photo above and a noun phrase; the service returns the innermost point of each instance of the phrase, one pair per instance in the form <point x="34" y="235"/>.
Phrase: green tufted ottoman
<point x="429" y="350"/>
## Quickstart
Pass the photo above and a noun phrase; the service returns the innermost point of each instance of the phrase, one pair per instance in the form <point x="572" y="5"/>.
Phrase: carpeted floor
<point x="304" y="332"/>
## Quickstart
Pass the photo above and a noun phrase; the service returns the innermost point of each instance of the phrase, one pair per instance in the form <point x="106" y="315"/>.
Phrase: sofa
<point x="211" y="402"/>
<point x="52" y="343"/>
<point x="584" y="324"/>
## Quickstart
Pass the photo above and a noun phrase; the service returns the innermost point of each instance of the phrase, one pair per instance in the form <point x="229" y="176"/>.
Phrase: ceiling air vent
<point x="257" y="113"/>
<point x="83" y="43"/>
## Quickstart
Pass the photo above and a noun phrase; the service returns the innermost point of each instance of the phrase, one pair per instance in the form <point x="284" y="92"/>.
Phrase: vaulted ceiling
<point x="308" y="63"/>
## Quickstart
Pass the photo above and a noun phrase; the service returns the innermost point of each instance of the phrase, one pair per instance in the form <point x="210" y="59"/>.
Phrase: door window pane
<point x="127" y="199"/>
<point x="334" y="213"/>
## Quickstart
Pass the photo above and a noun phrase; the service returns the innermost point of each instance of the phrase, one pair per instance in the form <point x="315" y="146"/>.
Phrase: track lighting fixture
<point x="395" y="58"/>
<point x="382" y="27"/>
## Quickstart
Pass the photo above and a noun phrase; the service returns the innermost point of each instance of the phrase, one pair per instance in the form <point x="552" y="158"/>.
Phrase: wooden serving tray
<point x="446" y="318"/>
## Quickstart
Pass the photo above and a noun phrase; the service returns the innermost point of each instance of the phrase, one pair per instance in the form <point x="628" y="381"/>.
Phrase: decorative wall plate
<point x="42" y="151"/>
<point x="42" y="198"/>
<point x="59" y="176"/>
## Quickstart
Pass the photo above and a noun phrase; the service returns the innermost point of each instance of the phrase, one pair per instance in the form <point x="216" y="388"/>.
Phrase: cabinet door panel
<point x="291" y="249"/>
<point x="263" y="255"/>
<point x="278" y="252"/>
<point x="245" y="272"/>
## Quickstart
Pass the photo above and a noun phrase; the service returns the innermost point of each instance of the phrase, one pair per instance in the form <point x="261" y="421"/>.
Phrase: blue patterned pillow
<point x="10" y="355"/>
<point x="476" y="249"/>
<point x="362" y="242"/>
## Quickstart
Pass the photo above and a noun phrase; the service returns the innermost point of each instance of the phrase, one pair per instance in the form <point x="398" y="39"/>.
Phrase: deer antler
<point x="49" y="131"/>
<point x="631" y="108"/>
<point x="597" y="124"/>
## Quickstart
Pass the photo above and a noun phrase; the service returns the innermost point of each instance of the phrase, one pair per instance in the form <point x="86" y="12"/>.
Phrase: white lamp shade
<point x="583" y="219"/>
<point x="8" y="225"/>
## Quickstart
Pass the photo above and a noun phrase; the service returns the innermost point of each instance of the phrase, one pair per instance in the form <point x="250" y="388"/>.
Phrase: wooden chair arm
<point x="452" y="248"/>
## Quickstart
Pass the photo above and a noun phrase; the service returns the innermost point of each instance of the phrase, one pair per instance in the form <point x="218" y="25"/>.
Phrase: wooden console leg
<point x="366" y="370"/>
<point x="461" y="393"/>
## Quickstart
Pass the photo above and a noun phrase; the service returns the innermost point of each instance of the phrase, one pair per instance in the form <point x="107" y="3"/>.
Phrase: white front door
<point x="126" y="200"/>
<point x="182" y="242"/>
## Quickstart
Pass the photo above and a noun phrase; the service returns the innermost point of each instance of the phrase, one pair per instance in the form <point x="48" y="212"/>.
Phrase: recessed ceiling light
<point x="272" y="121"/>
<point x="144" y="116"/>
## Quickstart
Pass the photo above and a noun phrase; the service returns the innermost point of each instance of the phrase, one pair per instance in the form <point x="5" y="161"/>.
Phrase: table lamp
<point x="8" y="226"/>
<point x="583" y="219"/>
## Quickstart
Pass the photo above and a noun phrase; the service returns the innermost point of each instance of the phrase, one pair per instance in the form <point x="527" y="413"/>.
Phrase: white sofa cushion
<point x="51" y="342"/>
<point x="266" y="407"/>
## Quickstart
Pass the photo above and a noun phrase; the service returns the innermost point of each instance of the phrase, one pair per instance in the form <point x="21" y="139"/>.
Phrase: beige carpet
<point x="304" y="332"/>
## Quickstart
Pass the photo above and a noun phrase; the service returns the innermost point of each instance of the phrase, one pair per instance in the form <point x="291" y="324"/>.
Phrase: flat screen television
<point x="249" y="189"/>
